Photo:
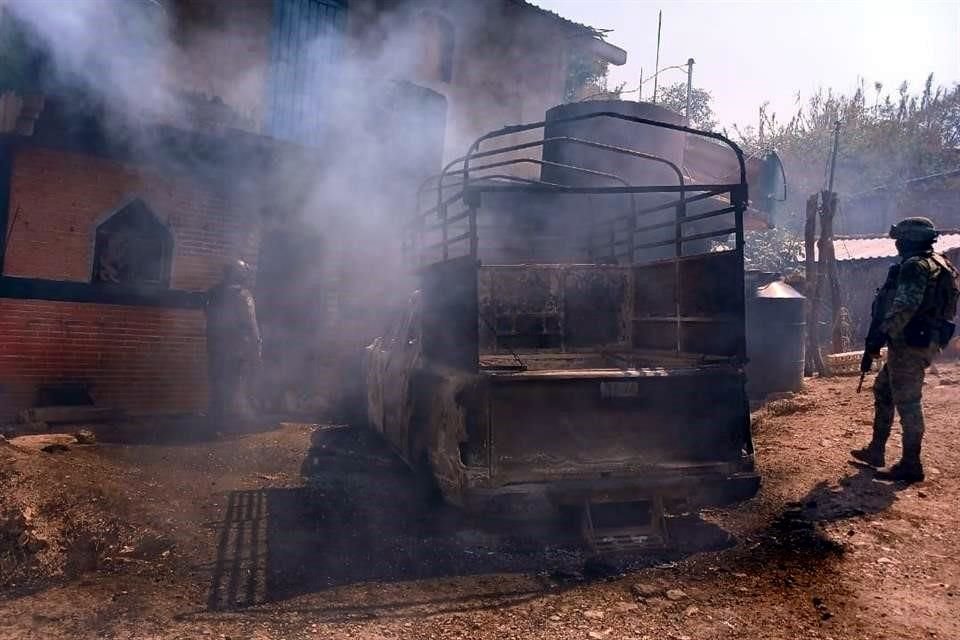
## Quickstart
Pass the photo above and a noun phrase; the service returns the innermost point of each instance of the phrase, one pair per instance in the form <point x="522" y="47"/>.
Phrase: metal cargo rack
<point x="445" y="225"/>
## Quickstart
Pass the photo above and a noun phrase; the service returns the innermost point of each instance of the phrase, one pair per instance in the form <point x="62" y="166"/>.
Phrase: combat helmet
<point x="917" y="230"/>
<point x="236" y="272"/>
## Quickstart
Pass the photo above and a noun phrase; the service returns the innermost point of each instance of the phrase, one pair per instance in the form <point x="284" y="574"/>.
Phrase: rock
<point x="646" y="590"/>
<point x="152" y="545"/>
<point x="593" y="614"/>
<point x="821" y="607"/>
<point x="55" y="448"/>
<point x="657" y="603"/>
<point x="676" y="594"/>
<point x="598" y="635"/>
<point x="626" y="607"/>
<point x="59" y="441"/>
<point x="85" y="436"/>
<point x="691" y="611"/>
<point x="885" y="560"/>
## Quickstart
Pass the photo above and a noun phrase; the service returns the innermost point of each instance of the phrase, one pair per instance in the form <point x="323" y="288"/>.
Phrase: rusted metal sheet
<point x="554" y="307"/>
<point x="450" y="331"/>
<point x="544" y="426"/>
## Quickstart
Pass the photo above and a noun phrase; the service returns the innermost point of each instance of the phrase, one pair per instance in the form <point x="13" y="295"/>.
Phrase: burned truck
<point x="576" y="339"/>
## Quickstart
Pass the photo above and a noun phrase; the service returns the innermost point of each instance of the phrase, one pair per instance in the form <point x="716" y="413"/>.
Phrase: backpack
<point x="945" y="296"/>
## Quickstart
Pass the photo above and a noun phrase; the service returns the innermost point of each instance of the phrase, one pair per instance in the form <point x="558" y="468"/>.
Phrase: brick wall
<point x="57" y="199"/>
<point x="142" y="359"/>
<point x="135" y="358"/>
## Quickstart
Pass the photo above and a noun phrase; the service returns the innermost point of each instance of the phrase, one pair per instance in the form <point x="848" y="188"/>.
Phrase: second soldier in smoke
<point x="233" y="345"/>
<point x="913" y="316"/>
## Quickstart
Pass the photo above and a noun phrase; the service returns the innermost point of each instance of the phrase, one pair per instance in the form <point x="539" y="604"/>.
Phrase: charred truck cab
<point x="577" y="339"/>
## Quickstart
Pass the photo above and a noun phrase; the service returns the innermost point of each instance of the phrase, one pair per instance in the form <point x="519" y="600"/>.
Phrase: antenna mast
<point x="656" y="74"/>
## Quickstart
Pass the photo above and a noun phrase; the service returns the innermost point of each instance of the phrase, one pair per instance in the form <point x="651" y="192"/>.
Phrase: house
<point x="142" y="150"/>
<point x="936" y="196"/>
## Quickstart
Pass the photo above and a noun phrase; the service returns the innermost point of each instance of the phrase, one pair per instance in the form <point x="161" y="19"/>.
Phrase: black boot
<point x="904" y="471"/>
<point x="909" y="469"/>
<point x="872" y="455"/>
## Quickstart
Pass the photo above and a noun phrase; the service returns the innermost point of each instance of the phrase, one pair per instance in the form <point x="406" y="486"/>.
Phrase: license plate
<point x="619" y="389"/>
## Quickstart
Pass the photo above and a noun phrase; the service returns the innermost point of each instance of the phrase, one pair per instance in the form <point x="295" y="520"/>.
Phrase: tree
<point x="884" y="140"/>
<point x="587" y="78"/>
<point x="674" y="97"/>
<point x="777" y="250"/>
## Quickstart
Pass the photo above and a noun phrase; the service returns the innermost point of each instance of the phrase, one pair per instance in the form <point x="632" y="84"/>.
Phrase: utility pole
<point x="656" y="71"/>
<point x="689" y="86"/>
<point x="833" y="158"/>
<point x="640" y="88"/>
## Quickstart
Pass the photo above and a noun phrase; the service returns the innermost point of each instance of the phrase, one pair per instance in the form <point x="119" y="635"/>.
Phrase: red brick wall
<point x="142" y="359"/>
<point x="57" y="199"/>
<point x="136" y="358"/>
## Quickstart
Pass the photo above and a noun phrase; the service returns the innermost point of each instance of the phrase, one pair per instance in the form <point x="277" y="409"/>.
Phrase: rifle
<point x="866" y="363"/>
<point x="876" y="338"/>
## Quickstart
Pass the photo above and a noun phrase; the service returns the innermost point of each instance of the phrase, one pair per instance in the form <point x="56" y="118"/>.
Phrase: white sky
<point x="748" y="53"/>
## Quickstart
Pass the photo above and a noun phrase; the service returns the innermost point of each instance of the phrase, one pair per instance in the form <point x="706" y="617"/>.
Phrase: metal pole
<point x="640" y="88"/>
<point x="689" y="86"/>
<point x="656" y="71"/>
<point x="833" y="159"/>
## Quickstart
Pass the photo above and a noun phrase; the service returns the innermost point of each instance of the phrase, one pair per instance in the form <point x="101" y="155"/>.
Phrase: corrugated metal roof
<point x="868" y="248"/>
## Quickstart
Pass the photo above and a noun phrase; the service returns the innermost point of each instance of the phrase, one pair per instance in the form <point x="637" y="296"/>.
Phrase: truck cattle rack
<point x="684" y="239"/>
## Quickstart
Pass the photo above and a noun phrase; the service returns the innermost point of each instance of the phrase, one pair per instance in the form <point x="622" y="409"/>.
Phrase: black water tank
<point x="631" y="170"/>
<point x="775" y="336"/>
<point x="657" y="141"/>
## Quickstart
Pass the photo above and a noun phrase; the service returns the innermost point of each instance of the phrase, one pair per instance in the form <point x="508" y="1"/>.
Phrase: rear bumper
<point x="693" y="489"/>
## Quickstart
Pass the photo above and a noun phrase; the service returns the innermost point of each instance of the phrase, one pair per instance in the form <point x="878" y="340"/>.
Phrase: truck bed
<point x="572" y="423"/>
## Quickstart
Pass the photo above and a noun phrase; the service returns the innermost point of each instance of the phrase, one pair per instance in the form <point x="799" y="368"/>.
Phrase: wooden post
<point x="814" y="360"/>
<point x="828" y="261"/>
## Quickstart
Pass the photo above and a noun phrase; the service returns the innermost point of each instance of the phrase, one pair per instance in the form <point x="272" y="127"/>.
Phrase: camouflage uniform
<point x="899" y="385"/>
<point x="905" y="297"/>
<point x="233" y="345"/>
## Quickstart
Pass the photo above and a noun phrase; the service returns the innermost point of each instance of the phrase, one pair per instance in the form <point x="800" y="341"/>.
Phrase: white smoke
<point x="118" y="50"/>
<point x="357" y="184"/>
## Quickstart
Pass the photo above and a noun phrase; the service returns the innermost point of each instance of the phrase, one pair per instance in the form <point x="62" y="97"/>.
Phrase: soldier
<point x="913" y="316"/>
<point x="233" y="344"/>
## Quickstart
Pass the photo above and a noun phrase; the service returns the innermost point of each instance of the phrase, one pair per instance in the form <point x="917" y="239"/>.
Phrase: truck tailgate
<point x="574" y="424"/>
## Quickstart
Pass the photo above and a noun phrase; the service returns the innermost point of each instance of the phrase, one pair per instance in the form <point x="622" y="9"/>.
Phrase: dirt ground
<point x="162" y="531"/>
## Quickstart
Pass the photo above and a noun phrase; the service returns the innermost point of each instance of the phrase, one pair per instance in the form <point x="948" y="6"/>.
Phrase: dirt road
<point x="175" y="535"/>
